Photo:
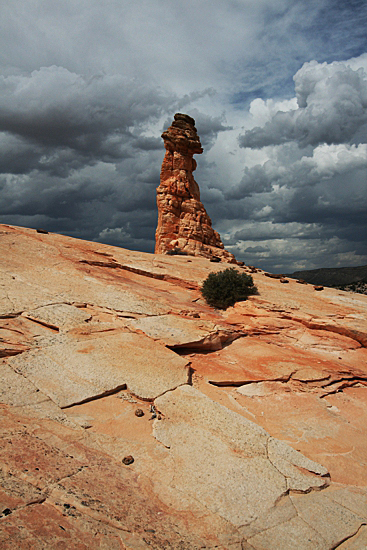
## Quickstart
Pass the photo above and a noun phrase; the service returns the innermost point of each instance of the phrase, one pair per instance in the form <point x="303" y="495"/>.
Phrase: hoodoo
<point x="183" y="223"/>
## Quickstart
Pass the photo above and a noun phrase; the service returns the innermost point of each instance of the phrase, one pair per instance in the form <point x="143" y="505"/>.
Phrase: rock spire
<point x="182" y="219"/>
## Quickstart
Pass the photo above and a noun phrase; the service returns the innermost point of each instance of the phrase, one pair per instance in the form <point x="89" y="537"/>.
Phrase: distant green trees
<point x="225" y="288"/>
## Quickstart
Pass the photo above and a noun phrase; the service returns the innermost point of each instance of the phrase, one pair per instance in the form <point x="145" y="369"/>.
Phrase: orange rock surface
<point x="183" y="222"/>
<point x="253" y="429"/>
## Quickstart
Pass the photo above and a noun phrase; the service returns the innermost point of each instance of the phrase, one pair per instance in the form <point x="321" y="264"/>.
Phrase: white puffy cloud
<point x="305" y="198"/>
<point x="326" y="162"/>
<point x="263" y="111"/>
<point x="332" y="107"/>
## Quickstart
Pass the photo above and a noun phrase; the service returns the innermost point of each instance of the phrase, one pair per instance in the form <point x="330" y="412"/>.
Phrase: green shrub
<point x="225" y="288"/>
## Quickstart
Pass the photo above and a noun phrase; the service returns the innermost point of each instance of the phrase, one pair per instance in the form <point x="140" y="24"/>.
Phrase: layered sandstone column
<point x="182" y="219"/>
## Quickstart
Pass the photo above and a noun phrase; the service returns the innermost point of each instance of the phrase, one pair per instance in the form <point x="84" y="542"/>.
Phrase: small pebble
<point x="139" y="412"/>
<point x="128" y="460"/>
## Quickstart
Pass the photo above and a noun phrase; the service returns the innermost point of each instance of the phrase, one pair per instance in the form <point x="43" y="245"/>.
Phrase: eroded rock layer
<point x="183" y="222"/>
<point x="135" y="417"/>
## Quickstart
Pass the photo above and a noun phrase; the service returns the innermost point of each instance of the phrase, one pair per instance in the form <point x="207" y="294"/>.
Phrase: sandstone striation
<point x="183" y="222"/>
<point x="133" y="416"/>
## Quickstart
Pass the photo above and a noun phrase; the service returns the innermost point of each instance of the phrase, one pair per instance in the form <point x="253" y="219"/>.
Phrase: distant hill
<point x="332" y="276"/>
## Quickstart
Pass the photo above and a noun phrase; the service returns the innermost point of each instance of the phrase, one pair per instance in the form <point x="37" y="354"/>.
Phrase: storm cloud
<point x="279" y="99"/>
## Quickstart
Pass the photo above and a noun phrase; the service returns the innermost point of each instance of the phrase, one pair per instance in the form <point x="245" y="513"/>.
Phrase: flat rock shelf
<point x="133" y="415"/>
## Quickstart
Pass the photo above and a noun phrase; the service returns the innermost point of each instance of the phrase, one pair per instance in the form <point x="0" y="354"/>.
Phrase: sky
<point x="278" y="90"/>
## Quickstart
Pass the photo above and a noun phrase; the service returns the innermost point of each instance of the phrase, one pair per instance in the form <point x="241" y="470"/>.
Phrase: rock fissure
<point x="138" y="271"/>
<point x="209" y="344"/>
<point x="277" y="524"/>
<point x="11" y="330"/>
<point x="96" y="515"/>
<point x="8" y="352"/>
<point x="51" y="326"/>
<point x="349" y="537"/>
<point x="151" y="400"/>
<point x="344" y="383"/>
<point x="312" y="528"/>
<point x="53" y="484"/>
<point x="120" y="312"/>
<point x="340" y="384"/>
<point x="310" y="489"/>
<point x="285" y="493"/>
<point x="10" y="315"/>
<point x="310" y="472"/>
<point x="110" y="311"/>
<point x="346" y="379"/>
<point x="356" y="335"/>
<point x="238" y="383"/>
<point x="34" y="502"/>
<point x="106" y="393"/>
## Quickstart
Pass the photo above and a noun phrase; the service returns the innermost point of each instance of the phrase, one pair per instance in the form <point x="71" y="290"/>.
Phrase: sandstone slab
<point x="330" y="430"/>
<point x="182" y="333"/>
<point x="18" y="391"/>
<point x="27" y="529"/>
<point x="70" y="371"/>
<point x="59" y="490"/>
<point x="18" y="334"/>
<point x="292" y="534"/>
<point x="335" y="521"/>
<point x="230" y="464"/>
<point x="237" y="459"/>
<point x="16" y="493"/>
<point x="58" y="316"/>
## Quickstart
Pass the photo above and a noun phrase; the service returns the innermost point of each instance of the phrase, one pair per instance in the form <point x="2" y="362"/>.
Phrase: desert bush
<point x="225" y="288"/>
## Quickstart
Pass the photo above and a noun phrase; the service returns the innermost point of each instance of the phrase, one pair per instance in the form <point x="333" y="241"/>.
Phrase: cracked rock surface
<point x="253" y="432"/>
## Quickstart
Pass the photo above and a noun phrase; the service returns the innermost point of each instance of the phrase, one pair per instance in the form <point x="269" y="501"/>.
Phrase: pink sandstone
<point x="257" y="443"/>
<point x="183" y="222"/>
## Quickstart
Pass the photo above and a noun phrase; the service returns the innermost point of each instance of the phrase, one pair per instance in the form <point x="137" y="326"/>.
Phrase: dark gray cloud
<point x="87" y="89"/>
<point x="53" y="108"/>
<point x="75" y="154"/>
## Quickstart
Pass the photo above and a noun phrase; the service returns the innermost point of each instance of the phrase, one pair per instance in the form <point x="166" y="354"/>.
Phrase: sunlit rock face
<point x="182" y="219"/>
<point x="134" y="416"/>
